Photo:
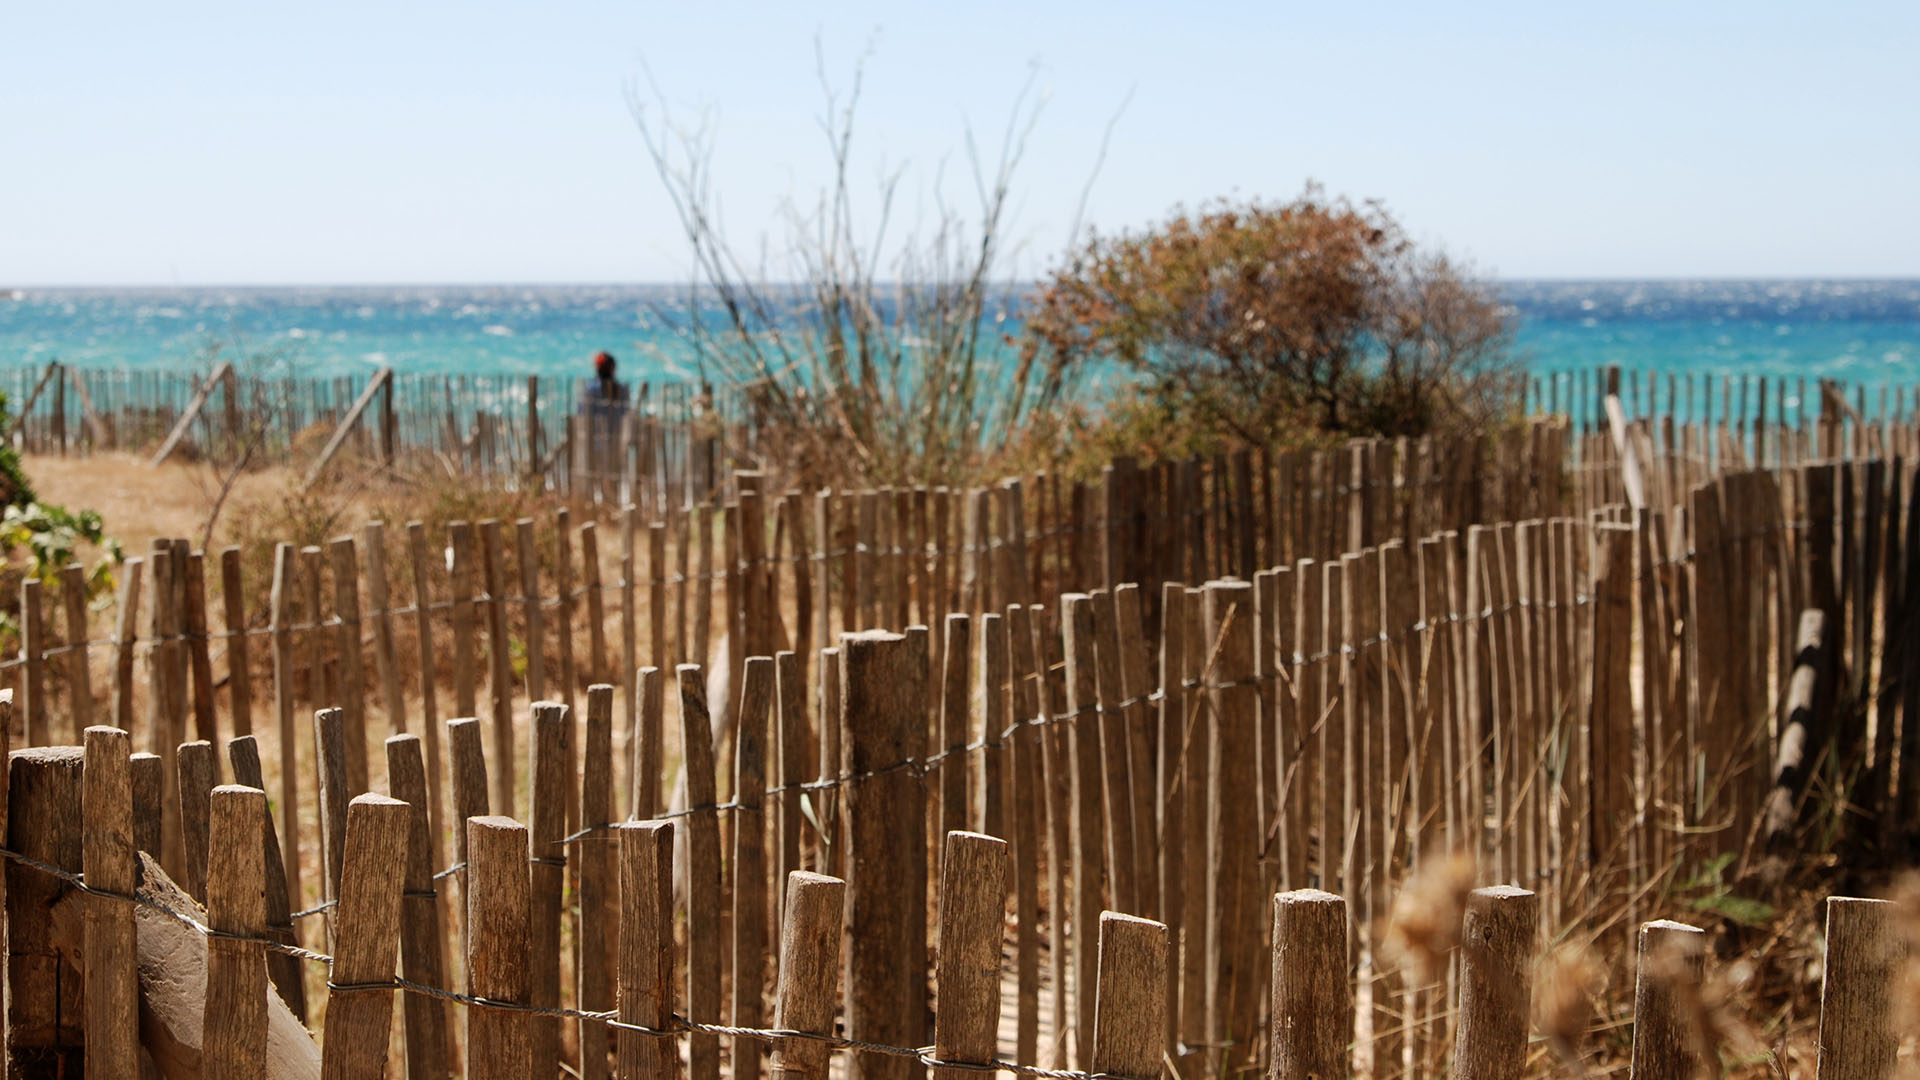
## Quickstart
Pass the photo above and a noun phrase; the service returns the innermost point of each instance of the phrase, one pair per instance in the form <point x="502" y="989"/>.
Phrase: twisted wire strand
<point x="677" y="1024"/>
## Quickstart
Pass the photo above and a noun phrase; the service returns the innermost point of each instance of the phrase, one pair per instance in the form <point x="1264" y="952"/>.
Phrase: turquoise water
<point x="1865" y="331"/>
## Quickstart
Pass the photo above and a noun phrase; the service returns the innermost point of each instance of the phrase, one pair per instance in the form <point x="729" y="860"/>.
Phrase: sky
<point x="352" y="142"/>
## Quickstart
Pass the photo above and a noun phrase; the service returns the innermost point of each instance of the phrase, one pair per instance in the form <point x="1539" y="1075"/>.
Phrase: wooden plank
<point x="703" y="874"/>
<point x="147" y="786"/>
<point x="351" y="698"/>
<point x="234" y="621"/>
<point x="33" y="645"/>
<point x="792" y="759"/>
<point x="629" y="626"/>
<point x="1084" y="771"/>
<point x="973" y="891"/>
<point x="565" y="600"/>
<point x="1136" y="720"/>
<point x="44" y="1012"/>
<point x="468" y="770"/>
<point x="379" y="600"/>
<point x="500" y="682"/>
<point x="499" y="1041"/>
<point x="1312" y="1012"/>
<point x="199" y="772"/>
<point x="956" y="724"/>
<point x="1235" y="974"/>
<point x="597" y="670"/>
<point x="646" y="952"/>
<point x="1028" y="791"/>
<point x="429" y="703"/>
<point x="234" y="1040"/>
<point x="180" y="426"/>
<point x="126" y="633"/>
<point x="1101" y="651"/>
<point x="1190" y="741"/>
<point x="199" y="661"/>
<point x="596" y="856"/>
<point x="990" y="795"/>
<point x="73" y="595"/>
<point x="380" y="378"/>
<point x="551" y="735"/>
<point x="112" y="984"/>
<point x="280" y="640"/>
<point x="1672" y="962"/>
<point x="884" y="707"/>
<point x="749" y="862"/>
<point x="428" y="1033"/>
<point x="460" y="542"/>
<point x="809" y="974"/>
<point x="330" y="764"/>
<point x="1495" y="983"/>
<point x="1611" y="728"/>
<point x="1865" y="950"/>
<point x="1129" y="1036"/>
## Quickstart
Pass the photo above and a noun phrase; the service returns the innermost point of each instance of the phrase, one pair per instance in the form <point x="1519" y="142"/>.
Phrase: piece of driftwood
<point x="172" y="958"/>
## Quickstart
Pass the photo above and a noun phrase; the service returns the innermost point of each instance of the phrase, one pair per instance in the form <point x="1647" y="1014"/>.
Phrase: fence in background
<point x="1587" y="660"/>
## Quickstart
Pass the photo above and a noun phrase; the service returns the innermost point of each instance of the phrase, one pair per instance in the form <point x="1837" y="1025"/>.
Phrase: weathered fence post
<point x="467" y="763"/>
<point x="360" y="985"/>
<point x="646" y="952"/>
<point x="198" y="775"/>
<point x="1863" y="955"/>
<point x="1495" y="984"/>
<point x="552" y="737"/>
<point x="44" y="799"/>
<point x="809" y="973"/>
<point x="421" y="945"/>
<point x="749" y="861"/>
<point x="32" y="646"/>
<point x="973" y="896"/>
<point x="234" y="1041"/>
<point x="1312" y="1001"/>
<point x="330" y="765"/>
<point x="113" y="988"/>
<point x="703" y="873"/>
<point x="499" y="922"/>
<point x="1083" y="772"/>
<point x="597" y="857"/>
<point x="1130" y="1011"/>
<point x="73" y="594"/>
<point x="1672" y="956"/>
<point x="885" y="717"/>
<point x="1234" y="973"/>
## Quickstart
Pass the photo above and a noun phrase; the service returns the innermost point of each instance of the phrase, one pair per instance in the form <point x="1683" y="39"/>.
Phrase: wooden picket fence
<point x="672" y="447"/>
<point x="1584" y="659"/>
<point x="201" y="974"/>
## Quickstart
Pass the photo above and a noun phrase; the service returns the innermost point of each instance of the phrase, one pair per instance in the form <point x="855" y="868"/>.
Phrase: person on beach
<point x="603" y="408"/>
<point x="604" y="399"/>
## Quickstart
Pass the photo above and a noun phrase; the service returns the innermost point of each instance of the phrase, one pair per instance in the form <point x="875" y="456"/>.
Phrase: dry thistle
<point x="1424" y="927"/>
<point x="1566" y="983"/>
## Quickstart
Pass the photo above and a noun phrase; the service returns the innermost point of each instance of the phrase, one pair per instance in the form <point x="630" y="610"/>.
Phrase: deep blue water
<point x="1865" y="331"/>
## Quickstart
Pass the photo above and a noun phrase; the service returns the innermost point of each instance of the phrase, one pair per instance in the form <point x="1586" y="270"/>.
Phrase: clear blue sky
<point x="476" y="142"/>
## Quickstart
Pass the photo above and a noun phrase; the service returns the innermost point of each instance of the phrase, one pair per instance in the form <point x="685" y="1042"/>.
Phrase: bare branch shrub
<point x="879" y="363"/>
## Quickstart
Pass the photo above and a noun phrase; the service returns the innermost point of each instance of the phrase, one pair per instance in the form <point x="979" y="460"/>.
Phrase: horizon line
<point x="1569" y="279"/>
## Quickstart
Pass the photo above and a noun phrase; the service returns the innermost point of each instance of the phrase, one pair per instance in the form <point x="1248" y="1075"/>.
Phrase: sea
<point x="1863" y="331"/>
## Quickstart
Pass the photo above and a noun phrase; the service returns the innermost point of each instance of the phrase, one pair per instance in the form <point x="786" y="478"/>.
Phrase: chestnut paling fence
<point x="1596" y="660"/>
